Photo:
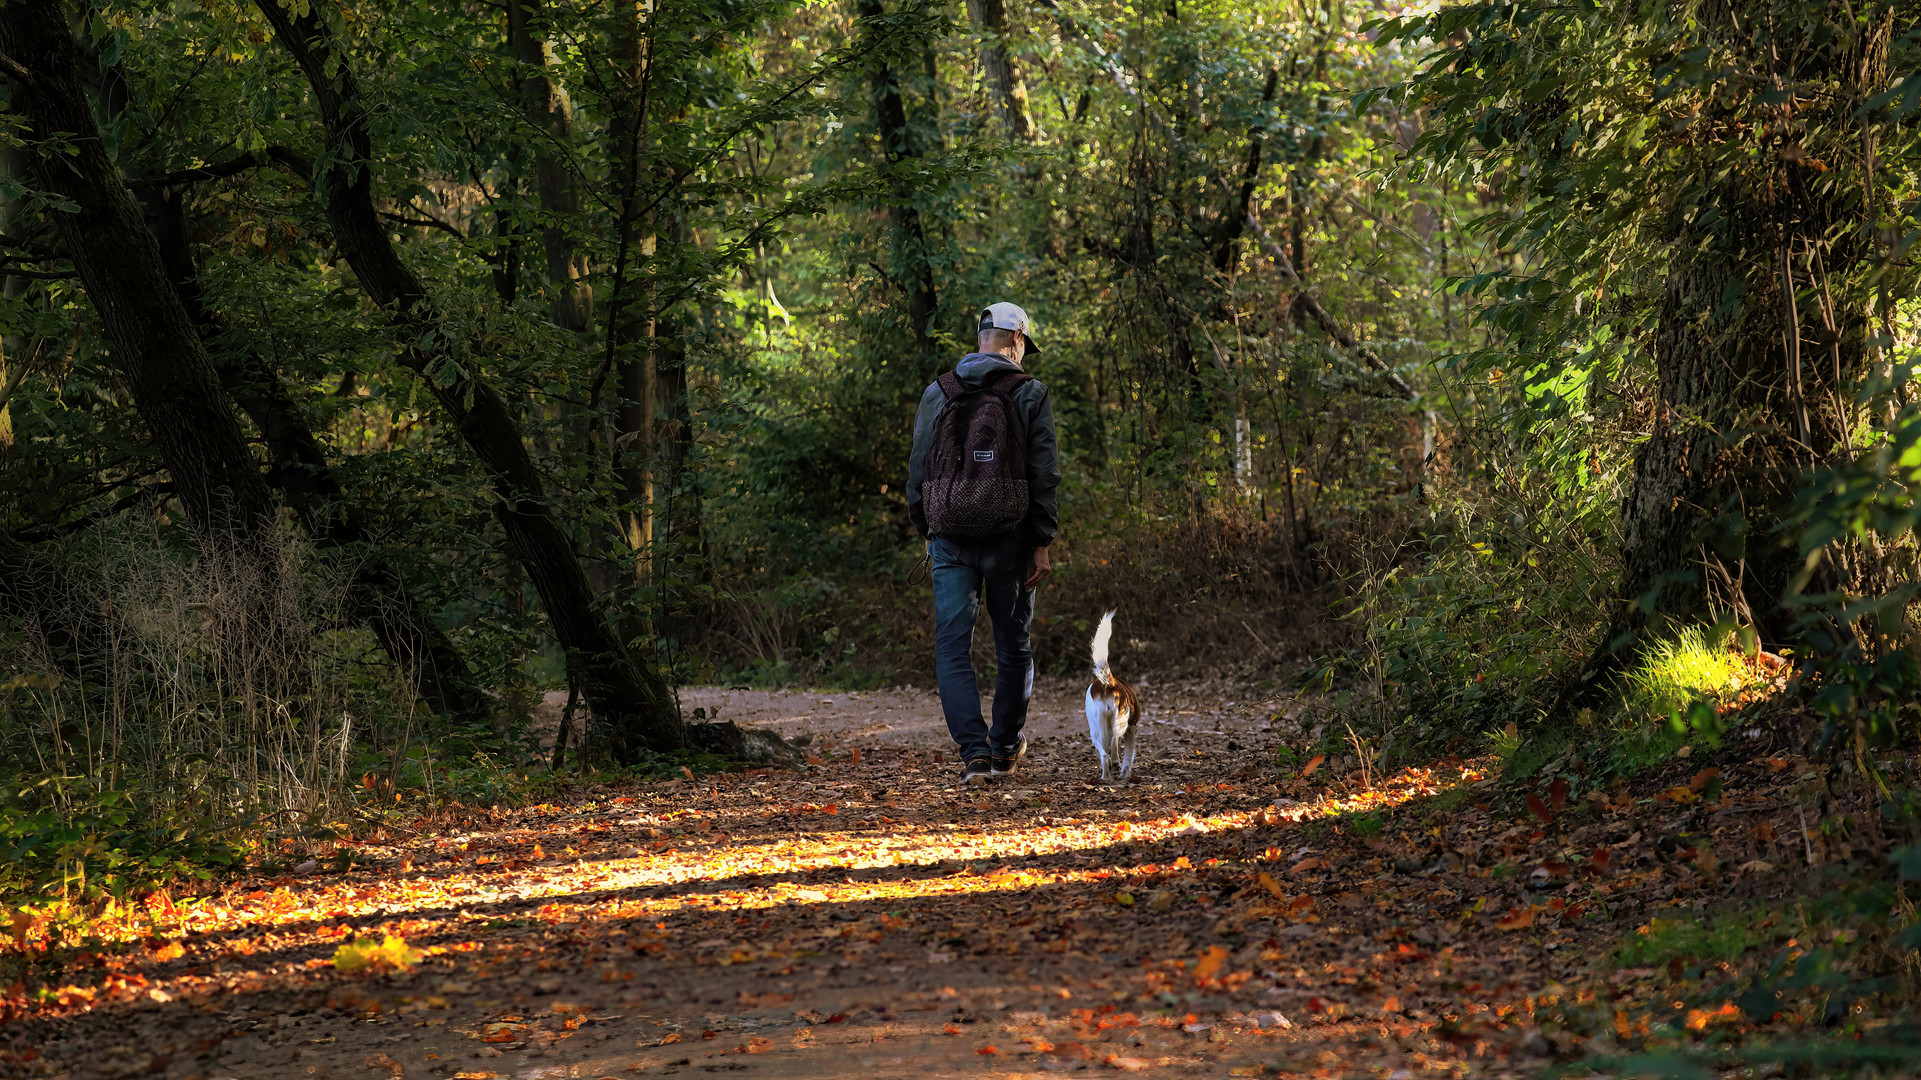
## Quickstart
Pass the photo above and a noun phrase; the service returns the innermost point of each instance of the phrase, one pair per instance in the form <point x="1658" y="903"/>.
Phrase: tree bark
<point x="1003" y="73"/>
<point x="300" y="472"/>
<point x="552" y="115"/>
<point x="168" y="371"/>
<point x="631" y="319"/>
<point x="912" y="270"/>
<point x="1235" y="221"/>
<point x="630" y="700"/>
<point x="1731" y="434"/>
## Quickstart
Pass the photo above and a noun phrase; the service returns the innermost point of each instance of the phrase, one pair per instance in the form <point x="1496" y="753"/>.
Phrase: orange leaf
<point x="1312" y="764"/>
<point x="951" y="1029"/>
<point x="687" y="772"/>
<point x="1213" y="959"/>
<point x="1305" y="865"/>
<point x="1701" y="778"/>
<point x="856" y="755"/>
<point x="988" y="1051"/>
<point x="1517" y="919"/>
<point x="1392" y="1004"/>
<point x="1267" y="882"/>
<point x="1538" y="808"/>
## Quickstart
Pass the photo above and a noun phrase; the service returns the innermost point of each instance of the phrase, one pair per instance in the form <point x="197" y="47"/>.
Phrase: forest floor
<point x="867" y="916"/>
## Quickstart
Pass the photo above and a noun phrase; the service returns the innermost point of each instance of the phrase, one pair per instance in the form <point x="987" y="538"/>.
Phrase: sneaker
<point x="976" y="771"/>
<point x="1004" y="765"/>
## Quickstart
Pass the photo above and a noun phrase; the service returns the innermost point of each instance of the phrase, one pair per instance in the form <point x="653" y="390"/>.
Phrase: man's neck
<point x="1005" y="355"/>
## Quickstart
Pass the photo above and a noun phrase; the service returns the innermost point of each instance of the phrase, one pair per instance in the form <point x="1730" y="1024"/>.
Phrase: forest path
<point x="866" y="917"/>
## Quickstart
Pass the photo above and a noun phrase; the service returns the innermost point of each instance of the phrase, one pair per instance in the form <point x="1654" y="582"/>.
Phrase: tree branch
<point x="423" y="223"/>
<point x="1319" y="314"/>
<point x="273" y="155"/>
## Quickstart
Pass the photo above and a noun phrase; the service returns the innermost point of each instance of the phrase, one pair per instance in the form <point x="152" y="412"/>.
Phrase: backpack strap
<point x="1005" y="382"/>
<point x="950" y="385"/>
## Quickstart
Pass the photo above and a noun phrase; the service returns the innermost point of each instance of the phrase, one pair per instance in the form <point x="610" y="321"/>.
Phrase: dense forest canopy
<point x="371" y="369"/>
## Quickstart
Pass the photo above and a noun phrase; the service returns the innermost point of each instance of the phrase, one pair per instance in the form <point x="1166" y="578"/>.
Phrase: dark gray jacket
<point x="1043" y="459"/>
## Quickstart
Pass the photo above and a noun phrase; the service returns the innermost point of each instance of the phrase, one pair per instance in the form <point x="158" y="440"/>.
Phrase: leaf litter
<point x="1224" y="917"/>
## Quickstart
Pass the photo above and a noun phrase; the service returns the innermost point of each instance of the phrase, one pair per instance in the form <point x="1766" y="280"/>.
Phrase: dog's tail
<point x="1101" y="637"/>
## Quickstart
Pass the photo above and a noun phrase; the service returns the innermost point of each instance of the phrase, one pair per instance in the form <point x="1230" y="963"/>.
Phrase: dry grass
<point x="220" y="683"/>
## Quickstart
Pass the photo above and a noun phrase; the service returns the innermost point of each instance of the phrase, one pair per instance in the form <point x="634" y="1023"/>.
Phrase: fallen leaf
<point x="1517" y="919"/>
<point x="389" y="952"/>
<point x="1267" y="882"/>
<point x="951" y="1029"/>
<point x="1313" y="763"/>
<point x="1213" y="958"/>
<point x="1127" y="1064"/>
<point x="1305" y="865"/>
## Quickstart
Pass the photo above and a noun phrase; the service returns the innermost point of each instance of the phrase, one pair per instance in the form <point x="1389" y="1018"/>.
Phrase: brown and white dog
<point x="1113" y="712"/>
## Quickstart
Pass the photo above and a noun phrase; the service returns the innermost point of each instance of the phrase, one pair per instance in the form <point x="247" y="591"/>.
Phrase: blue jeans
<point x="965" y="575"/>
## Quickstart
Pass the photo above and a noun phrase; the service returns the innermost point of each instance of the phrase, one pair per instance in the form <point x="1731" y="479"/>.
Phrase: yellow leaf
<point x="1267" y="882"/>
<point x="390" y="952"/>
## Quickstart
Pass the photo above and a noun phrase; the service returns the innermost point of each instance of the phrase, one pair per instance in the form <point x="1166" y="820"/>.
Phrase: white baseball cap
<point x="1005" y="316"/>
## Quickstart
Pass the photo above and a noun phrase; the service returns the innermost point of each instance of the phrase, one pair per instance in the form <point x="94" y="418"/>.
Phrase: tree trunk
<point x="911" y="270"/>
<point x="553" y="116"/>
<point x="1003" y="74"/>
<point x="631" y="318"/>
<point x="628" y="696"/>
<point x="300" y="472"/>
<point x="166" y="365"/>
<point x="1732" y="430"/>
<point x="1236" y="219"/>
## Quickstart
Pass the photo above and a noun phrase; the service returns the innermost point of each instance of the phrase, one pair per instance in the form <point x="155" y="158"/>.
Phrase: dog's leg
<point x="1098" y="713"/>
<point x="1127" y="755"/>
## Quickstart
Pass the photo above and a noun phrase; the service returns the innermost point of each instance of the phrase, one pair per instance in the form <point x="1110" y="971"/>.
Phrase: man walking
<point x="981" y="490"/>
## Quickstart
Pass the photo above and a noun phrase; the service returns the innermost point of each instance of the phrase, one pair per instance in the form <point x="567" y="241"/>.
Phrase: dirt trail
<point x="867" y="917"/>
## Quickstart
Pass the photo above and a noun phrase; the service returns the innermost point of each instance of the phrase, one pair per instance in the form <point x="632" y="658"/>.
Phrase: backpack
<point x="975" y="484"/>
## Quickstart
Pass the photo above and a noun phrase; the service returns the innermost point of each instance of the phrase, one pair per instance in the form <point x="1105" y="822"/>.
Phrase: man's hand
<point x="1041" y="569"/>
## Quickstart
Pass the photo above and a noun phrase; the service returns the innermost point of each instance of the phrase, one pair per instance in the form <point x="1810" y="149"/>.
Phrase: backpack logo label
<point x="983" y="455"/>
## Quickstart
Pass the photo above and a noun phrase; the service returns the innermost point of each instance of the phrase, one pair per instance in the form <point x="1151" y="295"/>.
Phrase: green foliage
<point x="1695" y="666"/>
<point x="1728" y="938"/>
<point x="64" y="837"/>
